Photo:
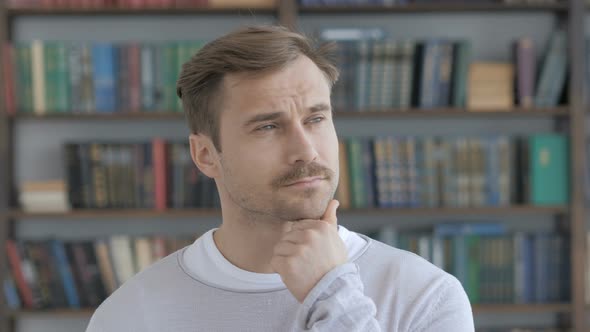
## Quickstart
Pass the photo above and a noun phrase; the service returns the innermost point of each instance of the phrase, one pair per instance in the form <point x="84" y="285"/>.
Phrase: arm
<point x="337" y="303"/>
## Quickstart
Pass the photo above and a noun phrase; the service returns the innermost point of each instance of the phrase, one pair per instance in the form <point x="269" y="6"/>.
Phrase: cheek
<point x="329" y="146"/>
<point x="250" y="165"/>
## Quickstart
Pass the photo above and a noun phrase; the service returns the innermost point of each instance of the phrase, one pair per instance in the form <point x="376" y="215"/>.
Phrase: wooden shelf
<point x="432" y="7"/>
<point x="395" y="114"/>
<point x="456" y="113"/>
<point x="101" y="116"/>
<point x="191" y="213"/>
<point x="54" y="313"/>
<point x="477" y="309"/>
<point x="14" y="12"/>
<point x="522" y="308"/>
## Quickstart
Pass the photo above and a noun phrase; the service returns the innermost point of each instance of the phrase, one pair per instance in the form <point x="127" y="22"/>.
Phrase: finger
<point x="304" y="224"/>
<point x="330" y="214"/>
<point x="285" y="248"/>
<point x="295" y="236"/>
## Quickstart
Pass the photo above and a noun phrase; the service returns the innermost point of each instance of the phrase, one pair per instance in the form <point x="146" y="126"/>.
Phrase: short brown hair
<point x="252" y="49"/>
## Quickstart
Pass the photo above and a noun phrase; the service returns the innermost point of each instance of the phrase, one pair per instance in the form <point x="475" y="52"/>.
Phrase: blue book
<point x="529" y="269"/>
<point x="65" y="272"/>
<point x="429" y="80"/>
<point x="541" y="252"/>
<point x="452" y="229"/>
<point x="11" y="294"/>
<point x="492" y="157"/>
<point x="105" y="69"/>
<point x="369" y="173"/>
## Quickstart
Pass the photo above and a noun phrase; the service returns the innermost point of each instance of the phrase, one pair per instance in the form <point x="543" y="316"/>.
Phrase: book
<point x="549" y="169"/>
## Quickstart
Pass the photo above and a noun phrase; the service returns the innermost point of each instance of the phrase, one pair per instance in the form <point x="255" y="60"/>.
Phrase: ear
<point x="204" y="154"/>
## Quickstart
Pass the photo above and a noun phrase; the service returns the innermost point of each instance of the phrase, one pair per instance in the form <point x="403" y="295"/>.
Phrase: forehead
<point x="299" y="78"/>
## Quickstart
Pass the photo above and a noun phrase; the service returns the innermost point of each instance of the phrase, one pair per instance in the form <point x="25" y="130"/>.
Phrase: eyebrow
<point x="322" y="107"/>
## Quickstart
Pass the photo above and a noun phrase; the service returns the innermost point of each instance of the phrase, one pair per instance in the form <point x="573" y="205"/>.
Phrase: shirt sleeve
<point x="450" y="311"/>
<point x="338" y="303"/>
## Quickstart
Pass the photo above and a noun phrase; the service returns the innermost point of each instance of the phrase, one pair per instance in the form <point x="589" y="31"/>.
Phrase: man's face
<point x="279" y="147"/>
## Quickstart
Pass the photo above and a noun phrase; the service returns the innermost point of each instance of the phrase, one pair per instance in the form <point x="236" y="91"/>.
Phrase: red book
<point x="7" y="63"/>
<point x="166" y="3"/>
<point x="160" y="174"/>
<point x="19" y="278"/>
<point x="48" y="3"/>
<point x="137" y="4"/>
<point x="134" y="62"/>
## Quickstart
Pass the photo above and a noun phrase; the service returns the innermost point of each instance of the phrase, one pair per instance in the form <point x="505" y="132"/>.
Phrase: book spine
<point x="38" y="77"/>
<point x="160" y="173"/>
<point x="75" y="77"/>
<point x="66" y="274"/>
<point x="9" y="78"/>
<point x="104" y="62"/>
<point x="62" y="79"/>
<point x="14" y="259"/>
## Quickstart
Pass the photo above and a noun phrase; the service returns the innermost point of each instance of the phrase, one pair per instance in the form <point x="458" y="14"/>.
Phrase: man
<point x="258" y="105"/>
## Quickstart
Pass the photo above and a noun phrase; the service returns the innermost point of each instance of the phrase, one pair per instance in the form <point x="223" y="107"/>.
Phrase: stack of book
<point x="490" y="86"/>
<point x="44" y="196"/>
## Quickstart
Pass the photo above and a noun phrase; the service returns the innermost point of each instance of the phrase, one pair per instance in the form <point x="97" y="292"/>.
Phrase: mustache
<point x="309" y="170"/>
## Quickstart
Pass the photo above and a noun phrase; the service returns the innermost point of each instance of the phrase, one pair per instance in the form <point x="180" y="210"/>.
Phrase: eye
<point x="266" y="127"/>
<point x="317" y="119"/>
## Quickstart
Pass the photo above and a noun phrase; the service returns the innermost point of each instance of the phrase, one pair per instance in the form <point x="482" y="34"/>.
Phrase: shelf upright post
<point x="287" y="13"/>
<point x="6" y="167"/>
<point x="578" y="230"/>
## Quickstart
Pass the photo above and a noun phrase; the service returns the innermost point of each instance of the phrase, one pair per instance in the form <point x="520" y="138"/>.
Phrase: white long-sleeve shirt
<point x="196" y="289"/>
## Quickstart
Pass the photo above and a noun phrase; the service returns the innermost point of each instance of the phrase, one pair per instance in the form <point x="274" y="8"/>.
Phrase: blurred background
<point x="462" y="129"/>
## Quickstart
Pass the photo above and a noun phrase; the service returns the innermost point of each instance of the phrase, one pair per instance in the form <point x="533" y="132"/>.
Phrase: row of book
<point x="233" y="3"/>
<point x="73" y="274"/>
<point x="382" y="172"/>
<point x="493" y="265"/>
<point x="382" y="74"/>
<point x="532" y="329"/>
<point x="138" y="4"/>
<point x="376" y="74"/>
<point x="136" y="175"/>
<point x="387" y="172"/>
<point x="314" y="3"/>
<point x="58" y="77"/>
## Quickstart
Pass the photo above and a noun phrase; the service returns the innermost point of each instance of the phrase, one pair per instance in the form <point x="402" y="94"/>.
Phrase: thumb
<point x="330" y="214"/>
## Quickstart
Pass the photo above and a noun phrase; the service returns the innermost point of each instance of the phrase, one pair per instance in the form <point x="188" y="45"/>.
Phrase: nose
<point x="301" y="148"/>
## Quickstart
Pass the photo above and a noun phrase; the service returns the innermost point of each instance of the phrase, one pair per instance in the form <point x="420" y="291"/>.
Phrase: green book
<point x="51" y="81"/>
<point x="24" y="90"/>
<point x="355" y="164"/>
<point x="473" y="267"/>
<point x="462" y="59"/>
<point x="62" y="79"/>
<point x="170" y="74"/>
<point x="549" y="169"/>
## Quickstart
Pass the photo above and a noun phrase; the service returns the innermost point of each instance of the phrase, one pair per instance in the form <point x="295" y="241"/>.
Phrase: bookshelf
<point x="560" y="112"/>
<point x="288" y="13"/>
<point x="393" y="212"/>
<point x="435" y="7"/>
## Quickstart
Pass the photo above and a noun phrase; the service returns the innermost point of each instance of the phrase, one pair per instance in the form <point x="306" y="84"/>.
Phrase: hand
<point x="308" y="251"/>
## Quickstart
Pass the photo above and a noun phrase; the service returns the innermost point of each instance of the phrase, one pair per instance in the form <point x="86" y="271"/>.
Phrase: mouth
<point x="308" y="181"/>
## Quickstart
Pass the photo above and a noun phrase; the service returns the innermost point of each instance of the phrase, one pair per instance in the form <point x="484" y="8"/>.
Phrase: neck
<point x="247" y="243"/>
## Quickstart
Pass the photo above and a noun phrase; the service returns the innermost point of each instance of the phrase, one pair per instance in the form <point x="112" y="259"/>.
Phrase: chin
<point x="303" y="210"/>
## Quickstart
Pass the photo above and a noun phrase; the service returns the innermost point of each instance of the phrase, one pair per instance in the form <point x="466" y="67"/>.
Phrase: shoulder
<point x="422" y="291"/>
<point x="124" y="309"/>
<point x="400" y="264"/>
